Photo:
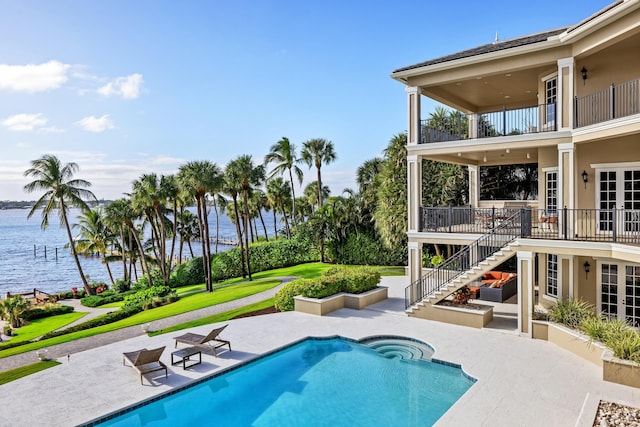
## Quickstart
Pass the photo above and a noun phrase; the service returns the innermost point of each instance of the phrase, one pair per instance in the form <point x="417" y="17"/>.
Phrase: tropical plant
<point x="61" y="191"/>
<point x="571" y="312"/>
<point x="311" y="194"/>
<point x="197" y="179"/>
<point x="278" y="196"/>
<point x="390" y="215"/>
<point x="231" y="188"/>
<point x="249" y="177"/>
<point x="95" y="236"/>
<point x="12" y="308"/>
<point x="283" y="155"/>
<point x="318" y="152"/>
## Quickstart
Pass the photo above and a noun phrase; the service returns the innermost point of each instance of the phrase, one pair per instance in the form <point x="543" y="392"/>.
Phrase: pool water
<point x="316" y="382"/>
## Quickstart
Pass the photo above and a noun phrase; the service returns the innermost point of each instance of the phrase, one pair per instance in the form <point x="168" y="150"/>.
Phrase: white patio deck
<point x="521" y="381"/>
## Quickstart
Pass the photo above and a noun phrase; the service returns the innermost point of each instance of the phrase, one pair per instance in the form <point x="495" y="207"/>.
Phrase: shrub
<point x="365" y="249"/>
<point x="335" y="280"/>
<point x="189" y="273"/>
<point x="39" y="313"/>
<point x="140" y="297"/>
<point x="122" y="285"/>
<point x="102" y="299"/>
<point x="284" y="298"/>
<point x="105" y="319"/>
<point x="264" y="256"/>
<point x="626" y="346"/>
<point x="571" y="313"/>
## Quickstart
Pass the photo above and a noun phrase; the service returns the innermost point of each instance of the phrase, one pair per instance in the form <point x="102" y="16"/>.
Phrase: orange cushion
<point x="492" y="275"/>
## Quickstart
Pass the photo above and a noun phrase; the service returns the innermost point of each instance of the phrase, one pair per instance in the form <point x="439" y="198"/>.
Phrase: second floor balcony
<point x="595" y="225"/>
<point x="618" y="100"/>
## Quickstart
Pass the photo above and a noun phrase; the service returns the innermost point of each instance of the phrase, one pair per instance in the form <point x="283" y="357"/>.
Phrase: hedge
<point x="364" y="249"/>
<point x="105" y="319"/>
<point x="264" y="256"/>
<point x="335" y="280"/>
<point x="39" y="313"/>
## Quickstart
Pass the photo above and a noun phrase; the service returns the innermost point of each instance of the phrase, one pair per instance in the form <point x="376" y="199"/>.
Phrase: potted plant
<point x="462" y="295"/>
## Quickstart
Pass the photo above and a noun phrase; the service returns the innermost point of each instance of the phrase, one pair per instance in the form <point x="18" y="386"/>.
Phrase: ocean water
<point x="24" y="266"/>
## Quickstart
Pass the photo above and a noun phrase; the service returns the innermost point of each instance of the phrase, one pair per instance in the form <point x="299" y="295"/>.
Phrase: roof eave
<point x="403" y="76"/>
<point x="583" y="29"/>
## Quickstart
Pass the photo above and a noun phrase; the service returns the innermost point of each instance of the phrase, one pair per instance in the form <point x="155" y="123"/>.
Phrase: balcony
<point x="617" y="101"/>
<point x="594" y="225"/>
<point x="458" y="126"/>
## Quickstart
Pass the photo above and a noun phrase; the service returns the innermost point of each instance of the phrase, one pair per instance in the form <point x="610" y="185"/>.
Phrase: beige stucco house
<point x="568" y="101"/>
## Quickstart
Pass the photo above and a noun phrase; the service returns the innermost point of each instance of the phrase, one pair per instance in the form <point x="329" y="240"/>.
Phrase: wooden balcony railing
<point x="601" y="225"/>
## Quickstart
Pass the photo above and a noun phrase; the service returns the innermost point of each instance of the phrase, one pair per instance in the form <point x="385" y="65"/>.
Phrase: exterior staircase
<point x="464" y="267"/>
<point x="467" y="278"/>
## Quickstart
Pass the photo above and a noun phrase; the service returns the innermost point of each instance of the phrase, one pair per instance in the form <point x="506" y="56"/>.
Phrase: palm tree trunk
<point x="293" y="198"/>
<point x="246" y="236"/>
<point x="123" y="254"/>
<point x="63" y="210"/>
<point x="143" y="259"/>
<point x="175" y="231"/>
<point x="104" y="259"/>
<point x="275" y="228"/>
<point x="286" y="221"/>
<point x="202" y="241"/>
<point x="263" y="226"/>
<point x="237" y="221"/>
<point x="207" y="245"/>
<point x="320" y="201"/>
<point x="215" y="208"/>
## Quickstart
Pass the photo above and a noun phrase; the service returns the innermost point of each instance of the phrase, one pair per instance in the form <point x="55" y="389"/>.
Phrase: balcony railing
<point x="457" y="126"/>
<point x="596" y="225"/>
<point x="619" y="100"/>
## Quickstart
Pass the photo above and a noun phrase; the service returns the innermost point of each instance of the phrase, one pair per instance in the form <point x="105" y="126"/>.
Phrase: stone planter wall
<point x="613" y="369"/>
<point x="322" y="306"/>
<point x="475" y="318"/>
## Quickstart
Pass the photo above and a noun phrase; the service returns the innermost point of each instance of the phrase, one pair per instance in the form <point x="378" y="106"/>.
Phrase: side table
<point x="184" y="355"/>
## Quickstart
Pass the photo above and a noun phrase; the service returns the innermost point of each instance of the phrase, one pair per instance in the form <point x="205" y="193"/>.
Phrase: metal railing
<point x="619" y="100"/>
<point x="517" y="121"/>
<point x="468" y="257"/>
<point x="599" y="225"/>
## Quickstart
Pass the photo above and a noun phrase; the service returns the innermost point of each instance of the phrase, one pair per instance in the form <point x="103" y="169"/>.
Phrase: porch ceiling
<point x="511" y="89"/>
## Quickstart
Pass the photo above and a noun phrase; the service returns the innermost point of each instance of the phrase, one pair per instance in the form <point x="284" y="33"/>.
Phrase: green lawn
<point x="220" y="317"/>
<point x="23" y="371"/>
<point x="187" y="303"/>
<point x="193" y="298"/>
<point x="39" y="327"/>
<point x="116" y="304"/>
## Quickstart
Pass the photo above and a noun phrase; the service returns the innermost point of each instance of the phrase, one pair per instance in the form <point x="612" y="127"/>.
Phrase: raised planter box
<point x="322" y="306"/>
<point x="474" y="317"/>
<point x="613" y="369"/>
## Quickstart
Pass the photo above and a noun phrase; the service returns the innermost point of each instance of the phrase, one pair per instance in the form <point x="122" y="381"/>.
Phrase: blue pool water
<point x="317" y="382"/>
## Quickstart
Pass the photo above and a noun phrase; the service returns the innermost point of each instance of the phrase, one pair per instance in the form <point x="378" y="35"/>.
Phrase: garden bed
<point x="471" y="314"/>
<point x="322" y="306"/>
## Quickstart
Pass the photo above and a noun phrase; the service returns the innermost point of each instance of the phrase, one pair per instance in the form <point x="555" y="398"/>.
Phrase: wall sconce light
<point x="587" y="268"/>
<point x="584" y="75"/>
<point x="585" y="178"/>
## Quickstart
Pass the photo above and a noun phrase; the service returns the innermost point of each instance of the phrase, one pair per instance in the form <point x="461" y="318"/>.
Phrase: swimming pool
<point x="315" y="382"/>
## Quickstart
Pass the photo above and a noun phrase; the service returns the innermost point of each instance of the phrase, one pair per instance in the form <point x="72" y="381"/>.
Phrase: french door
<point x="619" y="201"/>
<point x="620" y="292"/>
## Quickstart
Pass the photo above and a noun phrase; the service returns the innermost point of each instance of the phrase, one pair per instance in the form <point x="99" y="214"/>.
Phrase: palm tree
<point x="258" y="202"/>
<point x="95" y="236"/>
<point x="61" y="191"/>
<point x="231" y="188"/>
<point x="249" y="177"/>
<point x="318" y="152"/>
<point x="283" y="155"/>
<point x="311" y="194"/>
<point x="367" y="178"/>
<point x="278" y="194"/>
<point x="199" y="178"/>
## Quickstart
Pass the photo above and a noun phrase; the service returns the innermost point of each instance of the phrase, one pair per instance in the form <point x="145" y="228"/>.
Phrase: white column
<point x="413" y="113"/>
<point x="415" y="263"/>
<point x="474" y="185"/>
<point x="564" y="113"/>
<point x="566" y="184"/>
<point x="414" y="193"/>
<point x="526" y="292"/>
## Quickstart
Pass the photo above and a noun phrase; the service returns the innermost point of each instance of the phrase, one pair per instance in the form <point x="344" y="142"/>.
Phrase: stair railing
<point x="505" y="232"/>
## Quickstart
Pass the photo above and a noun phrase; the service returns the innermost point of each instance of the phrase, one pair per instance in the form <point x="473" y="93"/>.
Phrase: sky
<point x="124" y="88"/>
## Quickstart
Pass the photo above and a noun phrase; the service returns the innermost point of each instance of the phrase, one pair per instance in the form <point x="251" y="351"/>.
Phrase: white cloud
<point x="24" y="122"/>
<point x="33" y="78"/>
<point x="126" y="87"/>
<point x="96" y="124"/>
<point x="166" y="160"/>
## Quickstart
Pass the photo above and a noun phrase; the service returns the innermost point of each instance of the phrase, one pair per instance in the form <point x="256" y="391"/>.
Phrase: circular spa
<point x="314" y="382"/>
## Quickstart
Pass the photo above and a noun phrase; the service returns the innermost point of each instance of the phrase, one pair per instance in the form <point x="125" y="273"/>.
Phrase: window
<point x="609" y="290"/>
<point x="552" y="275"/>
